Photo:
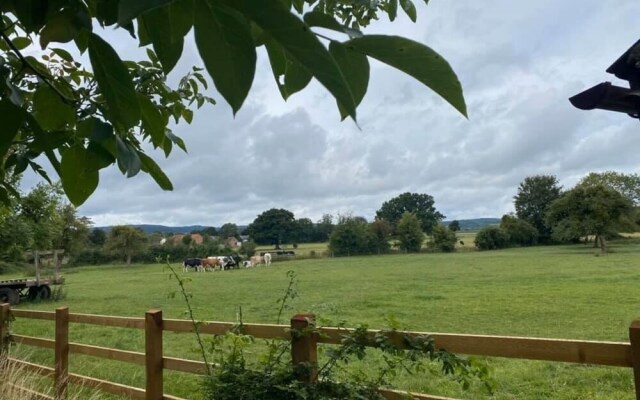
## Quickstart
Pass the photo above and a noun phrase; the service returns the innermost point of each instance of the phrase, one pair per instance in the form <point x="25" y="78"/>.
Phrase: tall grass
<point x="17" y="383"/>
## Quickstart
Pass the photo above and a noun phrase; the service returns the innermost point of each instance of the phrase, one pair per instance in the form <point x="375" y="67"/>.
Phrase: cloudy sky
<point x="518" y="63"/>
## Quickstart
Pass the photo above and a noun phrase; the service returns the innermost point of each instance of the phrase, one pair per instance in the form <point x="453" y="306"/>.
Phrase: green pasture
<point x="558" y="292"/>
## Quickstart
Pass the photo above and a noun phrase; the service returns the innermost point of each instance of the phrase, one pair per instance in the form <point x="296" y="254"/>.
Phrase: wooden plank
<point x="304" y="347"/>
<point x="634" y="336"/>
<point x="106" y="320"/>
<point x="170" y="397"/>
<point x="617" y="354"/>
<point x="182" y="365"/>
<point x="33" y="314"/>
<point x="36" y="261"/>
<point x="29" y="394"/>
<point x="401" y="395"/>
<point x="153" y="354"/>
<point x="106" y="386"/>
<point x="132" y="357"/>
<point x="61" y="350"/>
<point x="28" y="366"/>
<point x="261" y="331"/>
<point x="34" y="341"/>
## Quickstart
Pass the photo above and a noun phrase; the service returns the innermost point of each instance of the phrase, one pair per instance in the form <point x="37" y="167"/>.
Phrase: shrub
<point x="443" y="239"/>
<point x="410" y="233"/>
<point x="492" y="238"/>
<point x="351" y="237"/>
<point x="521" y="233"/>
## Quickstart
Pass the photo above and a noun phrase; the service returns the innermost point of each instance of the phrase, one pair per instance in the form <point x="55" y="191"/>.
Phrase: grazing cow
<point x="210" y="262"/>
<point x="255" y="260"/>
<point x="247" y="264"/>
<point x="267" y="259"/>
<point x="195" y="263"/>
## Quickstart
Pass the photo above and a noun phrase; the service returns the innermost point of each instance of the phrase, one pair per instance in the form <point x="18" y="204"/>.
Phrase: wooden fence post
<point x="61" y="371"/>
<point x="5" y="310"/>
<point x="304" y="346"/>
<point x="153" y="354"/>
<point x="634" y="338"/>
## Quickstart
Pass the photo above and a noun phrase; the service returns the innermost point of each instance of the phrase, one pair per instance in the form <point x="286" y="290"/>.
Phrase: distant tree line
<point x="599" y="206"/>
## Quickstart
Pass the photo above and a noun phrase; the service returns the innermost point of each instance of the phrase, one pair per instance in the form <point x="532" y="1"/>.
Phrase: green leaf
<point x="95" y="129"/>
<point x="65" y="55"/>
<point x="130" y="9"/>
<point x="31" y="13"/>
<point x="417" y="60"/>
<point x="409" y="9"/>
<point x="64" y="26"/>
<point x="225" y="44"/>
<point x="181" y="15"/>
<point x="21" y="42"/>
<point x="393" y="9"/>
<point x="143" y="36"/>
<point x="128" y="160"/>
<point x="187" y="115"/>
<point x="149" y="166"/>
<point x="175" y="139"/>
<point x="302" y="45"/>
<point x="322" y="20"/>
<point x="50" y="111"/>
<point x="355" y="67"/>
<point x="290" y="76"/>
<point x="106" y="12"/>
<point x="103" y="157"/>
<point x="298" y="5"/>
<point x="12" y="118"/>
<point x="79" y="174"/>
<point x="152" y="120"/>
<point x="114" y="82"/>
<point x="168" y="48"/>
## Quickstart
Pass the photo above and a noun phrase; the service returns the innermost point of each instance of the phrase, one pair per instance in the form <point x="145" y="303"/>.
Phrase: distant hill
<point x="475" y="223"/>
<point x="162" y="228"/>
<point x="465" y="225"/>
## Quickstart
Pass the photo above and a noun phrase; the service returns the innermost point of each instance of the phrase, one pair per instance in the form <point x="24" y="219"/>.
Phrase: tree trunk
<point x="596" y="241"/>
<point x="603" y="244"/>
<point x="128" y="259"/>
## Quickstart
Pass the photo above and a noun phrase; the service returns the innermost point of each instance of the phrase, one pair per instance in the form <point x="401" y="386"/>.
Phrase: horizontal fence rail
<point x="617" y="354"/>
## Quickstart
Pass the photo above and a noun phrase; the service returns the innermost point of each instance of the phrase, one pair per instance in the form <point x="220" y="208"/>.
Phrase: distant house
<point x="232" y="242"/>
<point x="244" y="238"/>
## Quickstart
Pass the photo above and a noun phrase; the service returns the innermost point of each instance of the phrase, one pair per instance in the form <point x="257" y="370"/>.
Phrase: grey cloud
<point x="518" y="63"/>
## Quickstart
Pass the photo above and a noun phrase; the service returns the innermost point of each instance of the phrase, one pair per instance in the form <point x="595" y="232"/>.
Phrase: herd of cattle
<point x="224" y="262"/>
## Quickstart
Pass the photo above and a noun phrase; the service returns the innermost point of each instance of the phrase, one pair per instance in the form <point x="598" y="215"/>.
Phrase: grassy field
<point x="559" y="292"/>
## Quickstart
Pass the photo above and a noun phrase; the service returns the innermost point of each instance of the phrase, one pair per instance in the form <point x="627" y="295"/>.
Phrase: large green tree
<point x="125" y="240"/>
<point x="84" y="118"/>
<point x="627" y="185"/>
<point x="274" y="226"/>
<point x="74" y="231"/>
<point x="535" y="195"/>
<point x="229" y="230"/>
<point x="590" y="210"/>
<point x="422" y="205"/>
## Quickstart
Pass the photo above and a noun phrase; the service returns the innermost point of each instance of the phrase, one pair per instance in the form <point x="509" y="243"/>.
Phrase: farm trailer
<point x="12" y="290"/>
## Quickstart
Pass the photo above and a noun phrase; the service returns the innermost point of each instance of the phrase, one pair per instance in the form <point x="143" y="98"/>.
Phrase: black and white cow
<point x="195" y="263"/>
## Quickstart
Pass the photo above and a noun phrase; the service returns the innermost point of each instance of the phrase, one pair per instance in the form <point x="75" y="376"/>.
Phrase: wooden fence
<point x="304" y="349"/>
